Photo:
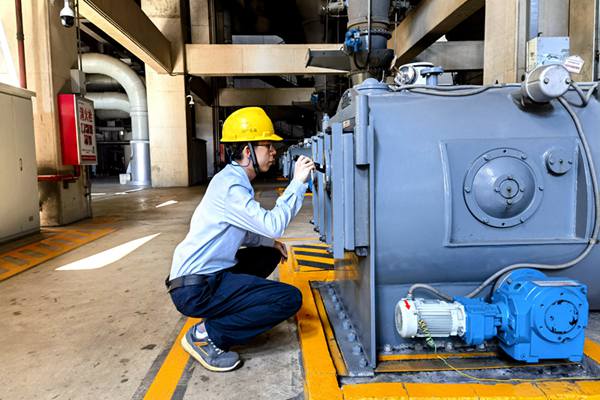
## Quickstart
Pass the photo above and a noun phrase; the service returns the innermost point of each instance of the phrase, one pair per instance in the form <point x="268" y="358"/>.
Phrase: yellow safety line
<point x="46" y="254"/>
<point x="322" y="260"/>
<point x="311" y="250"/>
<point x="592" y="350"/>
<point x="165" y="382"/>
<point x="319" y="372"/>
<point x="334" y="350"/>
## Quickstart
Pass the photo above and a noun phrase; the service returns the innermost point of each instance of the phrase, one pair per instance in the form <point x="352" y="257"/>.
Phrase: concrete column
<point x="9" y="62"/>
<point x="167" y="114"/>
<point x="505" y="41"/>
<point x="584" y="34"/>
<point x="51" y="52"/>
<point x="205" y="128"/>
<point x="205" y="131"/>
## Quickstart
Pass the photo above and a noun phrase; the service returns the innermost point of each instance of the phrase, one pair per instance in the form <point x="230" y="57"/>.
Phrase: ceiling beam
<point x="254" y="59"/>
<point x="264" y="97"/>
<point x="427" y="23"/>
<point x="126" y="23"/>
<point x="454" y="56"/>
<point x="201" y="89"/>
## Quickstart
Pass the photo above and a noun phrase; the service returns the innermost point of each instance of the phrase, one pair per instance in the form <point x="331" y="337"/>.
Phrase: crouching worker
<point x="211" y="276"/>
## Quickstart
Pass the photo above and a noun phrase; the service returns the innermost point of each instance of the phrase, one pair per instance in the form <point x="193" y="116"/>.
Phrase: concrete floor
<point x="95" y="334"/>
<point x="100" y="334"/>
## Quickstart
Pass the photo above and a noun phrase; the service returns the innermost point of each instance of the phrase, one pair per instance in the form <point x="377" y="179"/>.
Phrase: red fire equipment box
<point x="77" y="130"/>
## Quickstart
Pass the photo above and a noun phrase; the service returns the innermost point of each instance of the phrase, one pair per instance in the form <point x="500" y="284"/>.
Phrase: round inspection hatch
<point x="502" y="188"/>
<point x="559" y="161"/>
<point x="561" y="317"/>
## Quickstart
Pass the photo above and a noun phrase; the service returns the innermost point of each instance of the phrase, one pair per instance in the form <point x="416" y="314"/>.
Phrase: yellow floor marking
<point x="320" y="374"/>
<point x="311" y="250"/>
<point x="591" y="389"/>
<point x="560" y="390"/>
<point x="61" y="242"/>
<point x="321" y="382"/>
<point x="334" y="350"/>
<point x="322" y="260"/>
<point x="375" y="391"/>
<point x="165" y="382"/>
<point x="504" y="391"/>
<point x="592" y="350"/>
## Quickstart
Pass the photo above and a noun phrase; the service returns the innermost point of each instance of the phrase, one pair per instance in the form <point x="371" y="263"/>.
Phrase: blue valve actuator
<point x="353" y="42"/>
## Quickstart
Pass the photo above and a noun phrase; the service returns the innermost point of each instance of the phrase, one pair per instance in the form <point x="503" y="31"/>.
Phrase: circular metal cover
<point x="557" y="319"/>
<point x="561" y="317"/>
<point x="559" y="161"/>
<point x="502" y="189"/>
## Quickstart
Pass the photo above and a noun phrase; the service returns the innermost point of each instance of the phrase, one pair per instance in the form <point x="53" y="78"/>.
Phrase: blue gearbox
<point x="533" y="316"/>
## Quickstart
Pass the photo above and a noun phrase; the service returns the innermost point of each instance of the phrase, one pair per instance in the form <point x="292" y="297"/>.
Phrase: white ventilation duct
<point x="111" y="114"/>
<point x="94" y="63"/>
<point x="109" y="101"/>
<point x="101" y="83"/>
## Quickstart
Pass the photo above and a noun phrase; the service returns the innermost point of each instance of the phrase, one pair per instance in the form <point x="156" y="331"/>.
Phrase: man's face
<point x="265" y="154"/>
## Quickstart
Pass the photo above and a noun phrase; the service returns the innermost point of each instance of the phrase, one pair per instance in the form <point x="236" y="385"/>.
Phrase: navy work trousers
<point x="239" y="303"/>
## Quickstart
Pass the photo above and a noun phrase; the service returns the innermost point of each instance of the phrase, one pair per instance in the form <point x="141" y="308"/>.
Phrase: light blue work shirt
<point x="227" y="218"/>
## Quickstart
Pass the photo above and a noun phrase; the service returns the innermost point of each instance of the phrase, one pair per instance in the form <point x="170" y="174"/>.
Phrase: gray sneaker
<point x="208" y="354"/>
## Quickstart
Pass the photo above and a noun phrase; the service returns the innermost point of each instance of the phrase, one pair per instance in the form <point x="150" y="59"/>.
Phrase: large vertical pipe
<point x="371" y="18"/>
<point x="358" y="13"/>
<point x="136" y="92"/>
<point x="21" y="44"/>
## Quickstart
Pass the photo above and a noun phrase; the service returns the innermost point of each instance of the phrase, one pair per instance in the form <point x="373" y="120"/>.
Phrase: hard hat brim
<point x="272" y="138"/>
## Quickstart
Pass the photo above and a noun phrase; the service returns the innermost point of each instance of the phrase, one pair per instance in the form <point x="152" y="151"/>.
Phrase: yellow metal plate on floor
<point x="56" y="241"/>
<point x="321" y="364"/>
<point x="450" y="363"/>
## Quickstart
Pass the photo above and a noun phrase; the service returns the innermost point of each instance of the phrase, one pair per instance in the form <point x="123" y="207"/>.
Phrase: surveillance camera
<point x="67" y="15"/>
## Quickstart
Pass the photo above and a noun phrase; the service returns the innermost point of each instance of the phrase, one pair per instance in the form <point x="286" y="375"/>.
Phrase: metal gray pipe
<point x="94" y="63"/>
<point x="358" y="12"/>
<point x="109" y="101"/>
<point x="101" y="83"/>
<point x="111" y="114"/>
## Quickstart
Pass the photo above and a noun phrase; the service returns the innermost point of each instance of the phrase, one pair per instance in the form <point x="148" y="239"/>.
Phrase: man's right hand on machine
<point x="302" y="169"/>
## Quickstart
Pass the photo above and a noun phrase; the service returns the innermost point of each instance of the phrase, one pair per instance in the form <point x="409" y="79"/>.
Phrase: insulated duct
<point x="109" y="101"/>
<point x="94" y="63"/>
<point x="101" y="83"/>
<point x="110" y="105"/>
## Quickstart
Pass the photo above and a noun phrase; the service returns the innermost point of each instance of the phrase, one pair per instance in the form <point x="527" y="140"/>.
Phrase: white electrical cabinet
<point x="19" y="198"/>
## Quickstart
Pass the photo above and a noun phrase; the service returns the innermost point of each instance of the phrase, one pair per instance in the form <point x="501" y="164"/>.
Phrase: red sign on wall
<point x="77" y="130"/>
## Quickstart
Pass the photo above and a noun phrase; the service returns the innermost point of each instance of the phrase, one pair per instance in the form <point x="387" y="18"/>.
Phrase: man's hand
<point x="281" y="247"/>
<point x="302" y="168"/>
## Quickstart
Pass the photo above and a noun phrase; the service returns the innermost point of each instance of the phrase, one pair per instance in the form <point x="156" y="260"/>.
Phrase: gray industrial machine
<point x="430" y="193"/>
<point x="290" y="155"/>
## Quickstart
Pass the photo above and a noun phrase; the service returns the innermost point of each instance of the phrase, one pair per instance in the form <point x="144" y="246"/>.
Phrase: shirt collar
<point x="239" y="170"/>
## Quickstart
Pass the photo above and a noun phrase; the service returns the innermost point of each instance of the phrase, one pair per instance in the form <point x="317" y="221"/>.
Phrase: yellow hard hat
<point x="248" y="124"/>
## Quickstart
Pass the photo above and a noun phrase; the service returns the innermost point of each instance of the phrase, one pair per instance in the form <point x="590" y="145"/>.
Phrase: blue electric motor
<point x="534" y="317"/>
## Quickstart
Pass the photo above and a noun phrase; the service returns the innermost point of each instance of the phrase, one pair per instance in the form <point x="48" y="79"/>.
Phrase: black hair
<point x="235" y="150"/>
